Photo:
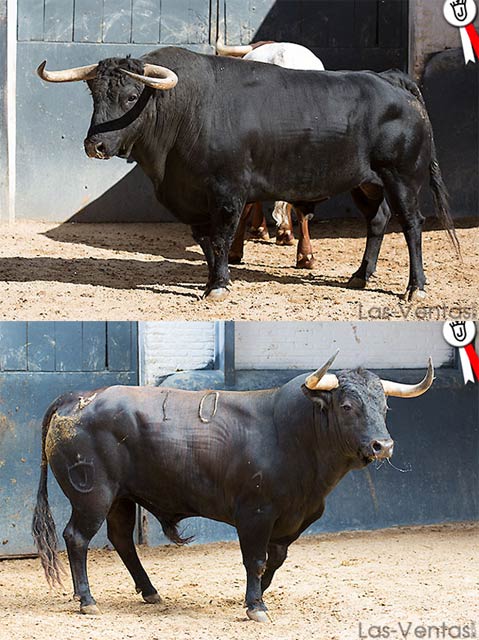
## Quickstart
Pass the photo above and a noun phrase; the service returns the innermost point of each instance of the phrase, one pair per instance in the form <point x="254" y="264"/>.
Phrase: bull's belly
<point x="167" y="499"/>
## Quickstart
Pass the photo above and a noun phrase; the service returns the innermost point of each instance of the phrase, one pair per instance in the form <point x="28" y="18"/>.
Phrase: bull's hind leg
<point x="276" y="556"/>
<point x="403" y="200"/>
<point x="121" y="523"/>
<point x="377" y="213"/>
<point x="81" y="528"/>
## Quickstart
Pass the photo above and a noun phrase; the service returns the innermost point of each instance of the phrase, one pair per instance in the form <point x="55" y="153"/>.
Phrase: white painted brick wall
<point x="167" y="347"/>
<point x="307" y="345"/>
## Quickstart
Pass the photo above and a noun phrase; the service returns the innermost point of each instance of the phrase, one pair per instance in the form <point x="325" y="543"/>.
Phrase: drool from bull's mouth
<point x="262" y="461"/>
<point x="377" y="144"/>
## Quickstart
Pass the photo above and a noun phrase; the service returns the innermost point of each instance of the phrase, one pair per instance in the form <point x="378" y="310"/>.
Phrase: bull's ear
<point x="322" y="398"/>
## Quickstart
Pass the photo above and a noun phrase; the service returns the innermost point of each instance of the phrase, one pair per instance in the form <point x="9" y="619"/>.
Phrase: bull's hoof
<point x="414" y="295"/>
<point x="217" y="295"/>
<point x="355" y="282"/>
<point x="234" y="258"/>
<point x="90" y="610"/>
<point x="305" y="262"/>
<point x="153" y="598"/>
<point x="258" y="616"/>
<point x="284" y="238"/>
<point x="258" y="233"/>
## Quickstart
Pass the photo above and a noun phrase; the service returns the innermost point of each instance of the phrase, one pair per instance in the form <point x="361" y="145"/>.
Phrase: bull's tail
<point x="441" y="199"/>
<point x="438" y="188"/>
<point x="43" y="526"/>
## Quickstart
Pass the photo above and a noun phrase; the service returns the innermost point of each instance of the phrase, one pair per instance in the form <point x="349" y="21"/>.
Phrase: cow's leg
<point x="258" y="229"/>
<point x="403" y="200"/>
<point x="276" y="556"/>
<point x="225" y="212"/>
<point x="254" y="530"/>
<point x="304" y="257"/>
<point x="377" y="214"/>
<point x="80" y="529"/>
<point x="235" y="255"/>
<point x="284" y="223"/>
<point x="121" y="523"/>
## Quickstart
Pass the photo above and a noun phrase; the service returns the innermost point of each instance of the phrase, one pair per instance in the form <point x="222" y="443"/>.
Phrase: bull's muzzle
<point x="381" y="449"/>
<point x="95" y="149"/>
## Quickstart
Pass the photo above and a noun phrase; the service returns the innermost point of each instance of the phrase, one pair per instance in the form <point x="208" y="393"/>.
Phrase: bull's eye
<point x="346" y="407"/>
<point x="132" y="97"/>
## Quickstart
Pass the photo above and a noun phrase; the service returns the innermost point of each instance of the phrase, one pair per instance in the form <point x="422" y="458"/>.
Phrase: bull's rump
<point x="175" y="452"/>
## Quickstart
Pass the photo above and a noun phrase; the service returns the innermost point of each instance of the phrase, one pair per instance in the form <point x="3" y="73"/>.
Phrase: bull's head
<point x="355" y="401"/>
<point x="120" y="89"/>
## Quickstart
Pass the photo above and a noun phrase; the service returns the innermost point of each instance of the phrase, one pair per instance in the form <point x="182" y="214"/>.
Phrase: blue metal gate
<point x="38" y="362"/>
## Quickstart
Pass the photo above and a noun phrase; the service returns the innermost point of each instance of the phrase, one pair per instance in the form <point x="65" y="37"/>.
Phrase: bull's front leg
<point x="237" y="246"/>
<point x="225" y="214"/>
<point x="254" y="526"/>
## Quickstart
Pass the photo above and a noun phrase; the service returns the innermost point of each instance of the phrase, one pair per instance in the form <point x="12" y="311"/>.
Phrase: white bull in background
<point x="291" y="56"/>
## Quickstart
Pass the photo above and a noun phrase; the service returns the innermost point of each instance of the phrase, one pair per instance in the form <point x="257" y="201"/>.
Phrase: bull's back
<point x="307" y="134"/>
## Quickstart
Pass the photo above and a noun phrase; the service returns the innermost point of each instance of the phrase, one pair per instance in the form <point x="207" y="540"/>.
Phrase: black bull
<point x="232" y="132"/>
<point x="262" y="461"/>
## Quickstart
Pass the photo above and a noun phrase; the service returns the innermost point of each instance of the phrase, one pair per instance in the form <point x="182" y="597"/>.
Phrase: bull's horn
<point x="223" y="49"/>
<point x="322" y="381"/>
<point x="67" y="75"/>
<point x="155" y="77"/>
<point x="410" y="390"/>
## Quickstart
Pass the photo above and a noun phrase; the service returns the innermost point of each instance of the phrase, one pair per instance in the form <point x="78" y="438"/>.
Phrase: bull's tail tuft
<point x="43" y="526"/>
<point x="170" y="529"/>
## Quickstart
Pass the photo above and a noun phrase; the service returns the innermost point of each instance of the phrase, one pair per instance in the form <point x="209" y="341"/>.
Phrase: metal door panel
<point x="47" y="350"/>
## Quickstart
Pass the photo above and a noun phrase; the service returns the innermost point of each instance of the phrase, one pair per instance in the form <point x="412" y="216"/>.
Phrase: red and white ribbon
<point x="460" y="334"/>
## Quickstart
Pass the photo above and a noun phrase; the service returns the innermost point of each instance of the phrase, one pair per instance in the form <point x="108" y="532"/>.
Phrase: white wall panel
<point x="305" y="345"/>
<point x="166" y="347"/>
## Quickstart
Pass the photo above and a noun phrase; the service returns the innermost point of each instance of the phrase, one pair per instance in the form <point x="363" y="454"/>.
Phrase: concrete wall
<point x="169" y="347"/>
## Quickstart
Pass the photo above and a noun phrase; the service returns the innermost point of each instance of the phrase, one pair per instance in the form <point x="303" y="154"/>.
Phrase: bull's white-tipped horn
<point x="155" y="77"/>
<point x="320" y="380"/>
<point x="223" y="49"/>
<point x="76" y="74"/>
<point x="400" y="390"/>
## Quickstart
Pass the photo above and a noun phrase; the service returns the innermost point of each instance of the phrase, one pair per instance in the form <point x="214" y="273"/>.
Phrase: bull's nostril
<point x="377" y="446"/>
<point x="100" y="147"/>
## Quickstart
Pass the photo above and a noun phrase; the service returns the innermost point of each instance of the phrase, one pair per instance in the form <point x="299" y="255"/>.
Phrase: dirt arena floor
<point x="156" y="271"/>
<point x="328" y="587"/>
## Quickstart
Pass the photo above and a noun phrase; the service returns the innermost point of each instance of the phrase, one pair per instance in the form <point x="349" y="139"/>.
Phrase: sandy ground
<point x="329" y="585"/>
<point x="156" y="271"/>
